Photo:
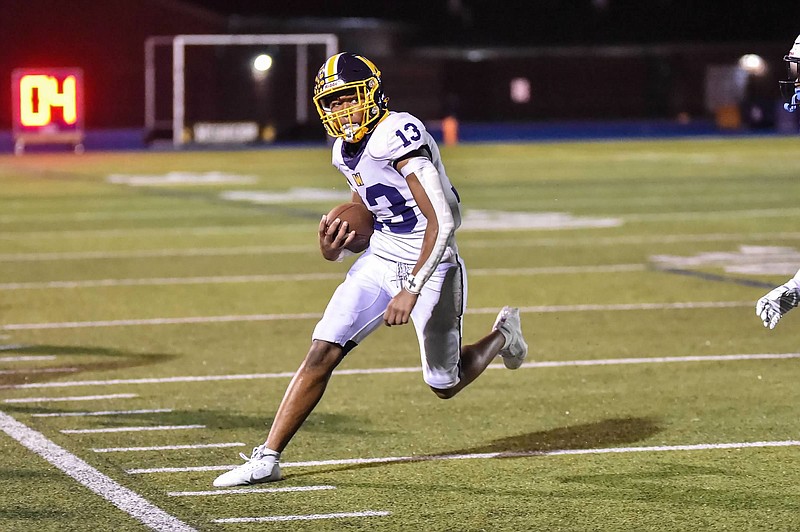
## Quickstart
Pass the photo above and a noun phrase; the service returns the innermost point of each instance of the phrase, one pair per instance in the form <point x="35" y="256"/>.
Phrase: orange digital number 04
<point x="39" y="93"/>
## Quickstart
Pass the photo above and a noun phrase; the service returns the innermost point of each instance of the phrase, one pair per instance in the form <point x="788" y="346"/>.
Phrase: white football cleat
<point x="515" y="349"/>
<point x="259" y="468"/>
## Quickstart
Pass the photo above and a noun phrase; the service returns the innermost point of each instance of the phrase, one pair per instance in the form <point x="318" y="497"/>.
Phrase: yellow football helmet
<point x="345" y="73"/>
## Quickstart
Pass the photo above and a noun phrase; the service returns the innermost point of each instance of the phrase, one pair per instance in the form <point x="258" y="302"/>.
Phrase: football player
<point x="790" y="88"/>
<point x="785" y="297"/>
<point x="411" y="270"/>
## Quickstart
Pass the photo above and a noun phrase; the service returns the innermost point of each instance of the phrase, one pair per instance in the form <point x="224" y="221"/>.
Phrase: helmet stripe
<point x="330" y="67"/>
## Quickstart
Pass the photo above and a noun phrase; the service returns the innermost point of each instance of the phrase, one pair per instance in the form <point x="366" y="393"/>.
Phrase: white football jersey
<point x="399" y="223"/>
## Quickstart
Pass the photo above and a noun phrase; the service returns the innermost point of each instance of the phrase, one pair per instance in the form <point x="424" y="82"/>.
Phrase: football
<point x="359" y="219"/>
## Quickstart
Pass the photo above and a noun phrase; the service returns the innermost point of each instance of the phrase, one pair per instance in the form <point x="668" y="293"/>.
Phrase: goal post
<point x="213" y="76"/>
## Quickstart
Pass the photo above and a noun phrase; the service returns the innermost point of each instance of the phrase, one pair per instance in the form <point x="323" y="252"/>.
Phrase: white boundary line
<point x="71" y="398"/>
<point x="483" y="456"/>
<point x="131" y="429"/>
<point x="375" y="371"/>
<point x="312" y="517"/>
<point x="123" y="498"/>
<point x="316" y="315"/>
<point x="237" y="491"/>
<point x="169" y="447"/>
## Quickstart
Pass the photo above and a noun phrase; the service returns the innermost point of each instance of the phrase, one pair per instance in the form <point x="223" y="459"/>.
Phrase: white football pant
<point x="356" y="309"/>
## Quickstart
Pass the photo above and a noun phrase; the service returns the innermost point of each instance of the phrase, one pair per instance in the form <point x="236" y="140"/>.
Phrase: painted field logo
<point x="181" y="178"/>
<point x="751" y="260"/>
<point x="478" y="220"/>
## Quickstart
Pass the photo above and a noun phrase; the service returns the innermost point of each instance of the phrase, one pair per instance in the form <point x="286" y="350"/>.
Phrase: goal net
<point x="218" y="89"/>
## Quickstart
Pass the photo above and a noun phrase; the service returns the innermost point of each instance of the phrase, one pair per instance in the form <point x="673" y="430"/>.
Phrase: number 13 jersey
<point x="370" y="172"/>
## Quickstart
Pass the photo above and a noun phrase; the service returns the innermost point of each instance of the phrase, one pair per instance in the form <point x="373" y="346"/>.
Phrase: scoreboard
<point x="47" y="107"/>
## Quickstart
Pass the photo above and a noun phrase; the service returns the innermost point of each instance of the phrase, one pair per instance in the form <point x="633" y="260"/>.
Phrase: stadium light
<point x="753" y="64"/>
<point x="261" y="65"/>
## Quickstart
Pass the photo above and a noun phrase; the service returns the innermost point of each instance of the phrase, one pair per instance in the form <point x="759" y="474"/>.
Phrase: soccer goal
<point x="219" y="89"/>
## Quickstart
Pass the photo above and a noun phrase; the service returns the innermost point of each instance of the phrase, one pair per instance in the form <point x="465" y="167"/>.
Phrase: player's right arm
<point x="423" y="182"/>
<point x="778" y="301"/>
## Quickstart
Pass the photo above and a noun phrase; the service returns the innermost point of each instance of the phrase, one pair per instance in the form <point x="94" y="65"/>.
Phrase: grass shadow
<point x="116" y="359"/>
<point x="605" y="433"/>
<point x="601" y="434"/>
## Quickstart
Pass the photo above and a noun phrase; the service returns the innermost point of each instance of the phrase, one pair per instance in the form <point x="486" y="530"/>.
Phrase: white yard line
<point x="158" y="321"/>
<point x="27" y="358"/>
<point x="131" y="429"/>
<point x="465" y="243"/>
<point x="312" y="517"/>
<point x="88" y="234"/>
<point x="162" y="281"/>
<point x="123" y="498"/>
<point x="37" y="370"/>
<point x="280" y="278"/>
<point x="71" y="398"/>
<point x="703" y="215"/>
<point x="316" y="315"/>
<point x="238" y="491"/>
<point x="155" y="253"/>
<point x="378" y="371"/>
<point x="168" y="447"/>
<point x="159" y="214"/>
<point x="634" y="240"/>
<point x="484" y="456"/>
<point x="11" y="347"/>
<point x="105" y="413"/>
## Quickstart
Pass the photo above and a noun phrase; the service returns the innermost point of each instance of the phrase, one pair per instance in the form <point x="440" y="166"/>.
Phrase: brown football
<point x="359" y="219"/>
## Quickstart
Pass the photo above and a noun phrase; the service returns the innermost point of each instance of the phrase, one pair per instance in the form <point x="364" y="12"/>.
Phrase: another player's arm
<point x="334" y="235"/>
<point x="778" y="301"/>
<point x="426" y="187"/>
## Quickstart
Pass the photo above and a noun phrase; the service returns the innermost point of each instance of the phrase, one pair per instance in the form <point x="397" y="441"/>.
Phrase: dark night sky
<point x="551" y="22"/>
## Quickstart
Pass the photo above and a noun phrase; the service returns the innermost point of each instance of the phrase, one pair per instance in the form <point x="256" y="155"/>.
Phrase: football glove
<point x="778" y="302"/>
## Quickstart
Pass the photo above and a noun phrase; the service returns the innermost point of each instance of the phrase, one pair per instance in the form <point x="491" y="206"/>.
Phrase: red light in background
<point x="47" y="106"/>
<point x="39" y="93"/>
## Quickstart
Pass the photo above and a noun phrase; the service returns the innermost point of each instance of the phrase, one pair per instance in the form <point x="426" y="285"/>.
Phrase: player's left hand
<point x="398" y="312"/>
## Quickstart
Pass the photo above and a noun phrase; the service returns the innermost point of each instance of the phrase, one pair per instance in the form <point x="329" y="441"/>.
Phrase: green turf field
<point x="177" y="292"/>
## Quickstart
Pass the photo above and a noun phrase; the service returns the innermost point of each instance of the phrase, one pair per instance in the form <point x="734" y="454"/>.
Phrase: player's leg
<point x="304" y="392"/>
<point x="515" y="348"/>
<point x="505" y="340"/>
<point x="354" y="311"/>
<point x="449" y="367"/>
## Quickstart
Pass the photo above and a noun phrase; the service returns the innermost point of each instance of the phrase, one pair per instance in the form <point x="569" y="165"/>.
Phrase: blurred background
<point x="503" y="70"/>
